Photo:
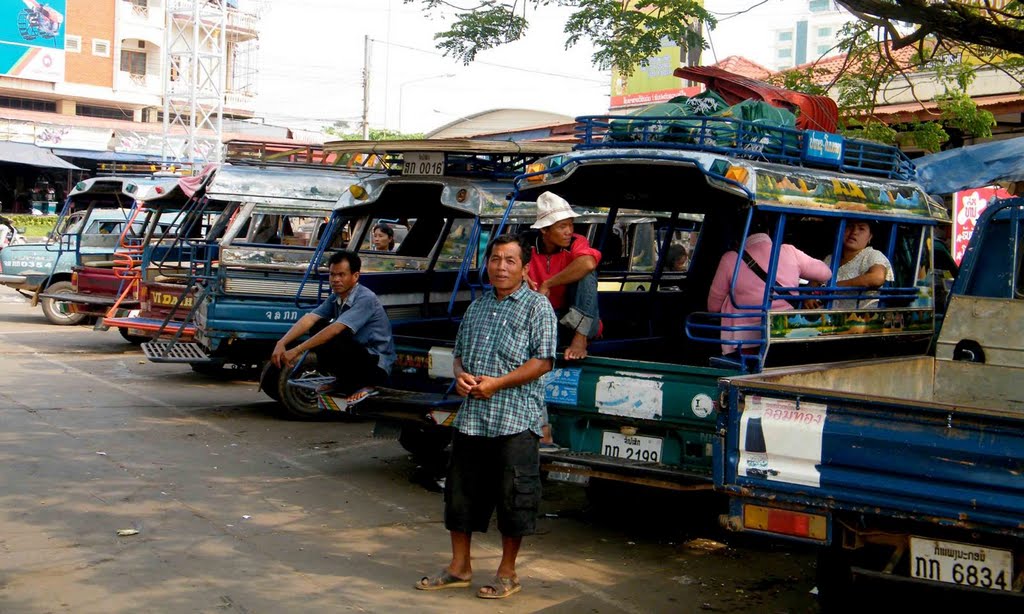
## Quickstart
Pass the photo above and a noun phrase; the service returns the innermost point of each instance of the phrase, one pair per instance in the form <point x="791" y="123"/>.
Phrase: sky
<point x="311" y="58"/>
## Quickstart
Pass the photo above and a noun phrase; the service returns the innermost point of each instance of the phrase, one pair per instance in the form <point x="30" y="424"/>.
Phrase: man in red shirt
<point x="562" y="268"/>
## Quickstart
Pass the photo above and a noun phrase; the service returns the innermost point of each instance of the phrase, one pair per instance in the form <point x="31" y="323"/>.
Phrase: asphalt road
<point x="239" y="511"/>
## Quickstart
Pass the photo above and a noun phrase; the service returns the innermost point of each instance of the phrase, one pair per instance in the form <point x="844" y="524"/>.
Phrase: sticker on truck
<point x="780" y="440"/>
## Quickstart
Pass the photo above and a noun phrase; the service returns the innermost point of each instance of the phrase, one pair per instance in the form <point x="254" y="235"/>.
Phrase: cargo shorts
<point x="488" y="473"/>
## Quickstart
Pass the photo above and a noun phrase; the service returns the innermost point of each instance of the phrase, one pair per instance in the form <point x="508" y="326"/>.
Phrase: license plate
<point x="631" y="447"/>
<point x="170" y="300"/>
<point x="423" y="163"/>
<point x="963" y="564"/>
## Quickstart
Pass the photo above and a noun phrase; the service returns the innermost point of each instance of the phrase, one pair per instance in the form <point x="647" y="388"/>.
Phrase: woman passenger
<point x="860" y="266"/>
<point x="383" y="239"/>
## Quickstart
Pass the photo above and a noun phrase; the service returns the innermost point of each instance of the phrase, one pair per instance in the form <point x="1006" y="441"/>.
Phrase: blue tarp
<point x="974" y="166"/>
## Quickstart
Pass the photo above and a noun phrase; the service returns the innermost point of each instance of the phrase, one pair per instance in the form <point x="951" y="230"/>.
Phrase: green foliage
<point x="376" y="134"/>
<point x="33" y="225"/>
<point x="626" y="34"/>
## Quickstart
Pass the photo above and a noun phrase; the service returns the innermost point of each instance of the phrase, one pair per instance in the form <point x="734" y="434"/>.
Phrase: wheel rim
<point x="301" y="400"/>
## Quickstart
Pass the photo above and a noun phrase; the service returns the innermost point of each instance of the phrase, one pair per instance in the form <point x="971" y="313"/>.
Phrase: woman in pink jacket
<point x="793" y="266"/>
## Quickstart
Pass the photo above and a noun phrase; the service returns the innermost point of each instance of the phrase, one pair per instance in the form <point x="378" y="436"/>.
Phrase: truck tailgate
<point x="857" y="450"/>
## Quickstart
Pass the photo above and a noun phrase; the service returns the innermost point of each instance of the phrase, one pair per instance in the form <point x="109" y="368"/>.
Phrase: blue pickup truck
<point x="901" y="468"/>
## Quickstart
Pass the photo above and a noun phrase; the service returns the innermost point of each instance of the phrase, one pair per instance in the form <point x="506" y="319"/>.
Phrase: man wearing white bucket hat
<point x="562" y="268"/>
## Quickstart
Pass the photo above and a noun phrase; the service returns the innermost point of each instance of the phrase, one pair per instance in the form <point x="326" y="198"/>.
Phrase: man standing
<point x="562" y="268"/>
<point x="352" y="333"/>
<point x="505" y="343"/>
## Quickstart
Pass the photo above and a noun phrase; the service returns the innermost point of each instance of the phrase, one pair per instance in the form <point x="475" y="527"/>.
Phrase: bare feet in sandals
<point x="500" y="587"/>
<point x="577" y="350"/>
<point x="442" y="580"/>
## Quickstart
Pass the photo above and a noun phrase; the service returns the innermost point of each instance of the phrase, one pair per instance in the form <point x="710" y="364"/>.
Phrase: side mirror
<point x="20" y="231"/>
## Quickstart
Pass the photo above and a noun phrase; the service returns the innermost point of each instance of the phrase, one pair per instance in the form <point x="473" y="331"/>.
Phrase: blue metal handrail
<point x="735" y="137"/>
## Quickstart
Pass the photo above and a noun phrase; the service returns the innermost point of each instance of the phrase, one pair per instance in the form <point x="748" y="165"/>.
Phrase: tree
<point x="625" y="32"/>
<point x="341" y="130"/>
<point x="951" y="38"/>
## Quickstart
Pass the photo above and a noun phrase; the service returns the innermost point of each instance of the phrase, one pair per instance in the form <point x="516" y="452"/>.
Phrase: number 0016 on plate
<point x="631" y="447"/>
<point x="963" y="564"/>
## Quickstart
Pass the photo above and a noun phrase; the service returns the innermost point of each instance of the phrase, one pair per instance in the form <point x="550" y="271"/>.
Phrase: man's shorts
<point x="493" y="472"/>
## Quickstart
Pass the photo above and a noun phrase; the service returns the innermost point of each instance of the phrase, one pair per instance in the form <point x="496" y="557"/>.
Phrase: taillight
<point x="74" y="282"/>
<point x="785" y="522"/>
<point x="143" y="297"/>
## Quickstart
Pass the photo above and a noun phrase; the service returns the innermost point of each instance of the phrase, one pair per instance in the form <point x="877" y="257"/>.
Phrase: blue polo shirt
<point x="363" y="313"/>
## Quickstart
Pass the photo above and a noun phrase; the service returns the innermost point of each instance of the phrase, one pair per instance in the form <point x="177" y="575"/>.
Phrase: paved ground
<point x="238" y="511"/>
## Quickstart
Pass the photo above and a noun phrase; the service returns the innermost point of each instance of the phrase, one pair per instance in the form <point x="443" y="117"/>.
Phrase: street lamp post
<point x="401" y="91"/>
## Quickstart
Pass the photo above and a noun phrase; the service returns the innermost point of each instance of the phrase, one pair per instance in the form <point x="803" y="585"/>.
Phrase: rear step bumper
<point x="169" y="351"/>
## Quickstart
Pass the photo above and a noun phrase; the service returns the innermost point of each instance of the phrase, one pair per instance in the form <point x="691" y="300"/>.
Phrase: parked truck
<point x="904" y="469"/>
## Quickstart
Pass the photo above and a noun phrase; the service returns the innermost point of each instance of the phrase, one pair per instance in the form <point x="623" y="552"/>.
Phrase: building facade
<point x="92" y="75"/>
<point x="812" y="35"/>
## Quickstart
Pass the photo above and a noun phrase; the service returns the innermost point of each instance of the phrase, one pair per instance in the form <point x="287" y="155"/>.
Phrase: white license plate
<point x="631" y="447"/>
<point x="963" y="564"/>
<point x="423" y="163"/>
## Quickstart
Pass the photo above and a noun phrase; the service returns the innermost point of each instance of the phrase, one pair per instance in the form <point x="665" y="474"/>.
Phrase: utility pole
<point x="366" y="88"/>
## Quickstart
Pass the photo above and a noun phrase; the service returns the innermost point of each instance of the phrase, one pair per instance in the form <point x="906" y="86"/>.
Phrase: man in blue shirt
<point x="351" y="332"/>
<point x="505" y="344"/>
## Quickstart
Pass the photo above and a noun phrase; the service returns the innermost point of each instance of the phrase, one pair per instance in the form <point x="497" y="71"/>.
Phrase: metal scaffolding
<point x="195" y="77"/>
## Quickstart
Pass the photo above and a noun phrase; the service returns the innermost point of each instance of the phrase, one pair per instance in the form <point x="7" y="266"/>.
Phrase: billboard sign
<point x="655" y="82"/>
<point x="32" y="39"/>
<point x="967" y="208"/>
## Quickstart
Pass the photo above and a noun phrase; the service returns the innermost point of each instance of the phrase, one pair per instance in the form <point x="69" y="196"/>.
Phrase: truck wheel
<point x="834" y="576"/>
<point x="209" y="369"/>
<point x="130" y="338"/>
<point x="59" y="312"/>
<point x="268" y="381"/>
<point x="426" y="445"/>
<point x="299" y="403"/>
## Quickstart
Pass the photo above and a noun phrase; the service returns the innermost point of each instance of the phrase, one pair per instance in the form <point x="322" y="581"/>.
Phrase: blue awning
<point x="108" y="156"/>
<point x="974" y="166"/>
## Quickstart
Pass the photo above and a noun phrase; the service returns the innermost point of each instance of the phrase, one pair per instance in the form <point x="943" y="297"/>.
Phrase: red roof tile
<point x="742" y="66"/>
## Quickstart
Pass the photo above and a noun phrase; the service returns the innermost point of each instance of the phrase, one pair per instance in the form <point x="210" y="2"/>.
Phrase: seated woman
<point x="793" y="266"/>
<point x="861" y="266"/>
<point x="383" y="238"/>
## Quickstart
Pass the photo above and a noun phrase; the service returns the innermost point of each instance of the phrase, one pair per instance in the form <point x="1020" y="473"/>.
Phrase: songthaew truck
<point x="905" y="469"/>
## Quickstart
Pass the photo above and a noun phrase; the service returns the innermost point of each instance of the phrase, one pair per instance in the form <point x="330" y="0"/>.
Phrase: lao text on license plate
<point x="631" y="447"/>
<point x="963" y="564"/>
<point x="421" y="163"/>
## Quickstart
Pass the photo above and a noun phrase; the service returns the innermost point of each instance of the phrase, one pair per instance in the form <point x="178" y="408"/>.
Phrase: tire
<point x="210" y="369"/>
<point x="130" y="338"/>
<point x="299" y="403"/>
<point x="268" y="381"/>
<point x="57" y="311"/>
<point x="834" y="577"/>
<point x="426" y="445"/>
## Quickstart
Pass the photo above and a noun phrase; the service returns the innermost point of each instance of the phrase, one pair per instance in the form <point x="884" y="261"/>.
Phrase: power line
<point x="505" y="66"/>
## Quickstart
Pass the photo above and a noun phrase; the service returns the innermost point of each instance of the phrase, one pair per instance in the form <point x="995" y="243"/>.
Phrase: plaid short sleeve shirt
<point x="496" y="338"/>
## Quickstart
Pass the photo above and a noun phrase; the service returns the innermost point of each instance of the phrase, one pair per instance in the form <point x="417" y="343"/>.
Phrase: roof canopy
<point x="26" y="153"/>
<point x="974" y="166"/>
<point x="280" y="185"/>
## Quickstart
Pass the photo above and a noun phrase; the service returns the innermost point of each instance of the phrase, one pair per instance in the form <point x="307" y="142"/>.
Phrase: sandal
<point x="499" y="588"/>
<point x="444" y="579"/>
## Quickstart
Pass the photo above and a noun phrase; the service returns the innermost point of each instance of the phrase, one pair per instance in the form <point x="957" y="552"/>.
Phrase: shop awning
<point x="26" y="153"/>
<point x="108" y="156"/>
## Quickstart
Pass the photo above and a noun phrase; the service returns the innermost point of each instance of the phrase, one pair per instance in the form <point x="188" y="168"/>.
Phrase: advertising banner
<point x="653" y="83"/>
<point x="967" y="208"/>
<point x="32" y="39"/>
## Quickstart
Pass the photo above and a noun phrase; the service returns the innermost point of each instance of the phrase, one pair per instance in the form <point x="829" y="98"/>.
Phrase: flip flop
<point x="499" y="588"/>
<point x="444" y="579"/>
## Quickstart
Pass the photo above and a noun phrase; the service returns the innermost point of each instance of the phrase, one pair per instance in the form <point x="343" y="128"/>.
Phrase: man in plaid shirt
<point x="505" y="344"/>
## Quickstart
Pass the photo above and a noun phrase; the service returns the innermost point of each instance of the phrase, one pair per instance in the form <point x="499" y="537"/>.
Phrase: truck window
<point x="993" y="272"/>
<point x="454" y="248"/>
